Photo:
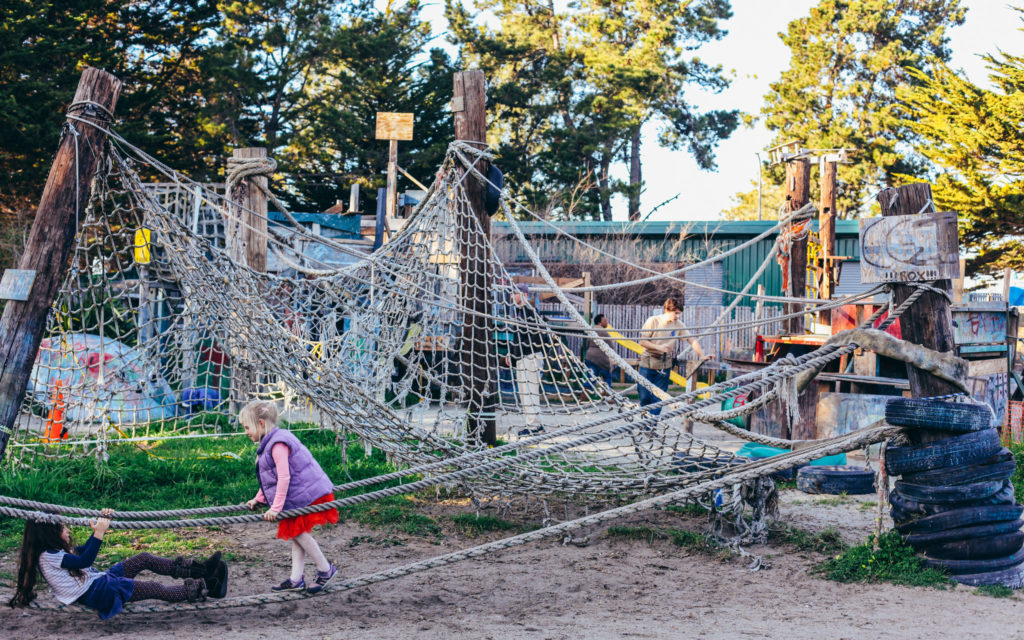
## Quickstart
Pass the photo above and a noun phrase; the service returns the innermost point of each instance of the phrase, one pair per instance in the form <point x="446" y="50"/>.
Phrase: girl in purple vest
<point x="290" y="478"/>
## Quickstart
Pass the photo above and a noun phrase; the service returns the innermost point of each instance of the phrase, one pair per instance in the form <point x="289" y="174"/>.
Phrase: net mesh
<point x="418" y="350"/>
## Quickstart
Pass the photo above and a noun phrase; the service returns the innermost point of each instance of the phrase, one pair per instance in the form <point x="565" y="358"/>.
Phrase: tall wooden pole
<point x="469" y="104"/>
<point x="392" y="178"/>
<point x="49" y="245"/>
<point x="252" y="212"/>
<point x="827" y="233"/>
<point x="248" y="245"/>
<point x="928" y="322"/>
<point x="798" y="193"/>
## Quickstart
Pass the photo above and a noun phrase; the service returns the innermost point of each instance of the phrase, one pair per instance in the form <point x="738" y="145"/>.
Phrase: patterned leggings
<point x="153" y="590"/>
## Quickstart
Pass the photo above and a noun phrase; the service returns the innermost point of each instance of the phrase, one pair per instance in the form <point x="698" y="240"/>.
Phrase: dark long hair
<point x="39" y="537"/>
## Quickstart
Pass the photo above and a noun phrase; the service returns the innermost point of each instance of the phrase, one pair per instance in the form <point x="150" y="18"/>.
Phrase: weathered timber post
<point x="827" y="233"/>
<point x="469" y="105"/>
<point x="798" y="193"/>
<point x="247" y="243"/>
<point x="64" y="197"/>
<point x="928" y="322"/>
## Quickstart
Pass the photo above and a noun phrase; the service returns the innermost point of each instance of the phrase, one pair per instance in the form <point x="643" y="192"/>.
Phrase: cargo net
<point x="422" y="348"/>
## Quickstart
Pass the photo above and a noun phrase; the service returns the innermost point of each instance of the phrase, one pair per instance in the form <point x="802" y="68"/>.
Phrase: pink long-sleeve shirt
<point x="279" y="452"/>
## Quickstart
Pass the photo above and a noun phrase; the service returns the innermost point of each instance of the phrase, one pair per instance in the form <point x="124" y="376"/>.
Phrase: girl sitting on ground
<point x="290" y="478"/>
<point x="69" y="572"/>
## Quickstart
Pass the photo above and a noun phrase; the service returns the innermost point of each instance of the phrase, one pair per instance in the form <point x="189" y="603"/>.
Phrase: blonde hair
<point x="257" y="410"/>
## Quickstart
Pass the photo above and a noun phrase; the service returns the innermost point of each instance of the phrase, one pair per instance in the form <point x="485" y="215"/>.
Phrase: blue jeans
<point x="660" y="379"/>
<point x="599" y="372"/>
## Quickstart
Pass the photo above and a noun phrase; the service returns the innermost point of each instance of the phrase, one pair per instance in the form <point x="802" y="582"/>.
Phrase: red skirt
<point x="291" y="527"/>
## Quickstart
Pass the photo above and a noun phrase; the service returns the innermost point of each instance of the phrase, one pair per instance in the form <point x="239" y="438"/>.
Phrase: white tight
<point x="302" y="545"/>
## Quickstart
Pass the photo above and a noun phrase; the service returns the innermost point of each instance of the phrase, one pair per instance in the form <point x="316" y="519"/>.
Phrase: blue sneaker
<point x="323" y="578"/>
<point x="288" y="585"/>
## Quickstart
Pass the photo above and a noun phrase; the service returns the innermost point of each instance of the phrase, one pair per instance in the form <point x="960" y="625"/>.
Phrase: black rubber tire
<point x="957" y="567"/>
<point x="947" y="494"/>
<point x="1012" y="578"/>
<point x="905" y="509"/>
<point x="940" y="415"/>
<point x="999" y="467"/>
<point x="921" y="540"/>
<point x="948" y="452"/>
<point x="966" y="517"/>
<point x="997" y="546"/>
<point x="835" y="479"/>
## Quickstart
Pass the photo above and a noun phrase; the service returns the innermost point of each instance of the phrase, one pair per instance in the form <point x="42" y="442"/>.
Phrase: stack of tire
<point x="954" y="500"/>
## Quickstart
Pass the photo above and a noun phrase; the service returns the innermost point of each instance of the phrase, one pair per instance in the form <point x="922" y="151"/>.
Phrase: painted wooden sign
<point x="394" y="126"/>
<point x="17" y="284"/>
<point x="915" y="248"/>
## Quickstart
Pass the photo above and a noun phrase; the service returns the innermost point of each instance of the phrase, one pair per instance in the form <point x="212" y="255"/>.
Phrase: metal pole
<point x="759" y="171"/>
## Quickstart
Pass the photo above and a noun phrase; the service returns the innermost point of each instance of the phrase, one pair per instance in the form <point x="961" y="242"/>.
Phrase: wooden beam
<point x="392" y="185"/>
<point x="827" y="233"/>
<point x="958" y="283"/>
<point x="250" y="243"/>
<point x="470" y="110"/>
<point x="64" y="199"/>
<point x="798" y="193"/>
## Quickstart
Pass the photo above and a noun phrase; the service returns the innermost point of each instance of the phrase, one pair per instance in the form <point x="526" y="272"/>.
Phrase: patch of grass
<point x="828" y="541"/>
<point x="831" y="501"/>
<point x="785" y="484"/>
<point x="689" y="509"/>
<point x="1018" y="475"/>
<point x="993" y="591"/>
<point x="121" y="544"/>
<point x="687" y="539"/>
<point x="188" y="473"/>
<point x="893" y="561"/>
<point x="867" y="506"/>
<point x="380" y="542"/>
<point x="473" y="525"/>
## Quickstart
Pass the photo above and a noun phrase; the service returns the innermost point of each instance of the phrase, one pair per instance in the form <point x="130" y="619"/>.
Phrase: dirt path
<point x="612" y="588"/>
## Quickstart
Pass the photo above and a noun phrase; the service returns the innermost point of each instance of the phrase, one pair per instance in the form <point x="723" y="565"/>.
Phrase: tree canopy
<point x="973" y="138"/>
<point x="848" y="59"/>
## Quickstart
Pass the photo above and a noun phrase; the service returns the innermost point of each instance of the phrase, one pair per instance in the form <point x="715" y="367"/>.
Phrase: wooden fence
<point x="629" y="318"/>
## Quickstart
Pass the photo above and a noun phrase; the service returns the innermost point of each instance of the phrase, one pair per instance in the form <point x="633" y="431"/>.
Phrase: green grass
<point x="994" y="591"/>
<point x="191" y="473"/>
<point x="701" y="542"/>
<point x="470" y="524"/>
<point x="893" y="561"/>
<point x="689" y="509"/>
<point x="828" y="541"/>
<point x="1018" y="476"/>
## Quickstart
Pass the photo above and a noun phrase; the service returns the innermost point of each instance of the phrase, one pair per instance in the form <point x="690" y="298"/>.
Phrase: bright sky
<point x="755" y="54"/>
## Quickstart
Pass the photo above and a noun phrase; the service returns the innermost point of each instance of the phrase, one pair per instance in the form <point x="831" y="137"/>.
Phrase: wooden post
<point x="1007" y="274"/>
<point x="588" y="313"/>
<point x="249" y="245"/>
<point x="927" y="322"/>
<point x="469" y="105"/>
<point x="64" y="199"/>
<point x="827" y="233"/>
<point x="798" y="193"/>
<point x="392" y="179"/>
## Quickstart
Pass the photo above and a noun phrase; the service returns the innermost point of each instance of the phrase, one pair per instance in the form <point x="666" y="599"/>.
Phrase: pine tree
<point x="973" y="137"/>
<point x="571" y="89"/>
<point x="849" y="58"/>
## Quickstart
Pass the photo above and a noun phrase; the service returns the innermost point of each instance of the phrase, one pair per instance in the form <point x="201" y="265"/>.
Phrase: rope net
<point x="161" y="330"/>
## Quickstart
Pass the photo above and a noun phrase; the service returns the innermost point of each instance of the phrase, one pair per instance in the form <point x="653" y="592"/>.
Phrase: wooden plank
<point x="798" y="193"/>
<point x="17" y="284"/>
<point x="394" y="126"/>
<point x="982" y="368"/>
<point x="911" y="248"/>
<point x="64" y="199"/>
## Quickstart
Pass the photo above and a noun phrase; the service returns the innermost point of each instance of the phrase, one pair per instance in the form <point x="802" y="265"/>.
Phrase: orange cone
<point x="55" y="431"/>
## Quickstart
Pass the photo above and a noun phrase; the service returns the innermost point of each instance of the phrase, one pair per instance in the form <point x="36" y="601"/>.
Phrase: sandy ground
<point x="611" y="588"/>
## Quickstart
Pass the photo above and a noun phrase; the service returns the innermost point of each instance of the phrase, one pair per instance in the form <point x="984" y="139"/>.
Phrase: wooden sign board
<point x="914" y="248"/>
<point x="17" y="284"/>
<point x="394" y="126"/>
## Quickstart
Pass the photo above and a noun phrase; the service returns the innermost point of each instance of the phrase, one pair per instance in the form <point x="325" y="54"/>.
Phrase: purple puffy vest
<point x="308" y="482"/>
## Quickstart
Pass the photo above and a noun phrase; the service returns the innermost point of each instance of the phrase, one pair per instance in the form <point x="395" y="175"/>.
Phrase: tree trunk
<point x="635" y="179"/>
<point x="606" y="194"/>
